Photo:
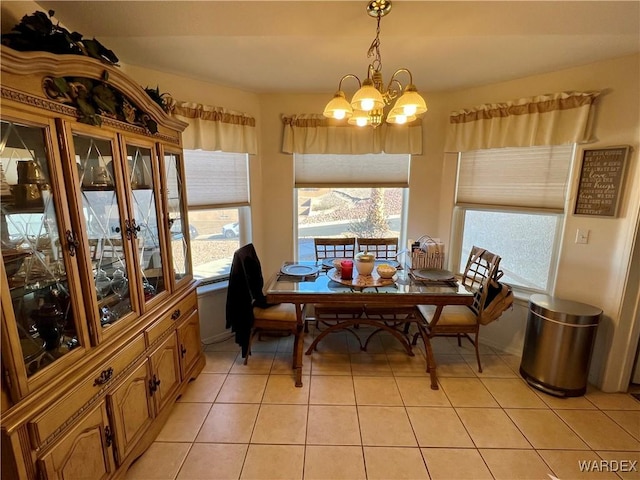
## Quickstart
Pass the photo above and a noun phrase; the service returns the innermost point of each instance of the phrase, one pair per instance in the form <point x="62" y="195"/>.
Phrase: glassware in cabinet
<point x="102" y="205"/>
<point x="36" y="268"/>
<point x="145" y="226"/>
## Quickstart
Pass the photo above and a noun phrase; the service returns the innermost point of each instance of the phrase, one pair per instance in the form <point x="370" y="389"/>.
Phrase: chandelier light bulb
<point x="367" y="98"/>
<point x="366" y="104"/>
<point x="398" y="117"/>
<point x="410" y="110"/>
<point x="359" y="118"/>
<point x="411" y="102"/>
<point x="338" y="107"/>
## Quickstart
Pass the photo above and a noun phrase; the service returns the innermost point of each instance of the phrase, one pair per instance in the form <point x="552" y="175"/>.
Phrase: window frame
<point x="244" y="212"/>
<point x="402" y="236"/>
<point x="458" y="222"/>
<point x="455" y="261"/>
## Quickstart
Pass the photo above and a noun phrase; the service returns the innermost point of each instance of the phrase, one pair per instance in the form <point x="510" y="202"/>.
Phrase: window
<point x="511" y="202"/>
<point x="219" y="212"/>
<point x="349" y="195"/>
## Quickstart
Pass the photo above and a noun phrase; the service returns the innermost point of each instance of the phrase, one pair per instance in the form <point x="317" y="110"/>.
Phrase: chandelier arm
<point x="349" y="75"/>
<point x="395" y="79"/>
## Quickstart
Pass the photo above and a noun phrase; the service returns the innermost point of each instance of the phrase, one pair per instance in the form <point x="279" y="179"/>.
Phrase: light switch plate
<point x="582" y="236"/>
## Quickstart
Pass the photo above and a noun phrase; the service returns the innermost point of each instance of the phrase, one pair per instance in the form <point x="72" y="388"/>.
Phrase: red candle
<point x="347" y="269"/>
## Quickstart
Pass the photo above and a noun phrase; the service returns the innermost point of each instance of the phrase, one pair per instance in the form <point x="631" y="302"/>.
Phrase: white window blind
<point x="372" y="170"/>
<point x="217" y="179"/>
<point x="517" y="177"/>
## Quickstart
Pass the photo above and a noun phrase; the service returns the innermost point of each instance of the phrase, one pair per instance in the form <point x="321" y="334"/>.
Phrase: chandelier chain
<point x="374" y="49"/>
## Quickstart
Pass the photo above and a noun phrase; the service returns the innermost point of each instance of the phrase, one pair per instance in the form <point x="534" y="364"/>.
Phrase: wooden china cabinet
<point x="100" y="330"/>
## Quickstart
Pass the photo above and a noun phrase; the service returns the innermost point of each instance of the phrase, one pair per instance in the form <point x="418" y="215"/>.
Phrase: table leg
<point x="424" y="333"/>
<point x="298" y="346"/>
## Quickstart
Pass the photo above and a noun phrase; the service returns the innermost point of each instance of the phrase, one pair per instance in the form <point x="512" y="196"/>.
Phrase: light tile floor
<point x="372" y="415"/>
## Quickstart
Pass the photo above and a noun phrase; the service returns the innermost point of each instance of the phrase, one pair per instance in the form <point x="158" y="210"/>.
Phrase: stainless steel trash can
<point x="558" y="344"/>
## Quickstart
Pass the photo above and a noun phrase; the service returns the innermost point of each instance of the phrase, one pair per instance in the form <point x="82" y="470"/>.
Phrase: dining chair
<point x="382" y="248"/>
<point x="327" y="248"/>
<point x="341" y="247"/>
<point x="247" y="310"/>
<point x="461" y="320"/>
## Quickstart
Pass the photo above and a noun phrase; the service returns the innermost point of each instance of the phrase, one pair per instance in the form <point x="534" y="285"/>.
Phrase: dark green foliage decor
<point x="158" y="97"/>
<point x="37" y="32"/>
<point x="92" y="98"/>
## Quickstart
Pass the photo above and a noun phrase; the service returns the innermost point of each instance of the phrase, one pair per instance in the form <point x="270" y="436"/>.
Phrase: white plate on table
<point x="297" y="270"/>
<point x="433" y="274"/>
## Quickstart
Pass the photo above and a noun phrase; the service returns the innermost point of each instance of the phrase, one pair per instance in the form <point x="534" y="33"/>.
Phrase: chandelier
<point x="367" y="107"/>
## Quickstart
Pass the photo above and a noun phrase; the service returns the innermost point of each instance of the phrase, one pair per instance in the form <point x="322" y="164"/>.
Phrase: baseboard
<point x="217" y="338"/>
<point x="501" y="348"/>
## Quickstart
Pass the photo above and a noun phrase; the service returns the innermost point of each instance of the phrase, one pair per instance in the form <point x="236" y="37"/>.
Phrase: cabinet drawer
<point x="170" y="319"/>
<point x="54" y="417"/>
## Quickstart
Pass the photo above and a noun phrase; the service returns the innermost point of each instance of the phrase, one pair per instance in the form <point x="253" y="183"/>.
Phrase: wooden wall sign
<point x="601" y="178"/>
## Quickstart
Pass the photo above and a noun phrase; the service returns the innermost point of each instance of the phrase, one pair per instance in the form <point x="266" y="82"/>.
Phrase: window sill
<point x="213" y="286"/>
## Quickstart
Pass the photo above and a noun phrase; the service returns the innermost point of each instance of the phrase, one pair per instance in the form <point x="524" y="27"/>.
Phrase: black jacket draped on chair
<point x="244" y="292"/>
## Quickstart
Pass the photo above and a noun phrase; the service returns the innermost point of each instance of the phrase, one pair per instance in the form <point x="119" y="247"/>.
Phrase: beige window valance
<point x="313" y="133"/>
<point x="215" y="128"/>
<point x="553" y="119"/>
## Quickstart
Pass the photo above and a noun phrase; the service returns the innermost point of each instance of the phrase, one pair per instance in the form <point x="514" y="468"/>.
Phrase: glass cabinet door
<point x="145" y="222"/>
<point x="104" y="226"/>
<point x="31" y="245"/>
<point x="179" y="228"/>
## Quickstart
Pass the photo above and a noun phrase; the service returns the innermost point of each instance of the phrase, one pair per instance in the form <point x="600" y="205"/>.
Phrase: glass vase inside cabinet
<point x="101" y="209"/>
<point x="42" y="317"/>
<point x="145" y="228"/>
<point x="179" y="227"/>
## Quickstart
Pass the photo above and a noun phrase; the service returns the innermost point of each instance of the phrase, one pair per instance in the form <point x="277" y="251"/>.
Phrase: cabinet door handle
<point x="104" y="377"/>
<point x="108" y="436"/>
<point x="72" y="243"/>
<point x="127" y="229"/>
<point x="134" y="228"/>
<point x="152" y="386"/>
<point x="183" y="350"/>
<point x="176" y="314"/>
<point x="154" y="383"/>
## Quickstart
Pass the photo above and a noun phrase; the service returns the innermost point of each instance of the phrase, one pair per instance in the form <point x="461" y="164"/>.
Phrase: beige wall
<point x="595" y="273"/>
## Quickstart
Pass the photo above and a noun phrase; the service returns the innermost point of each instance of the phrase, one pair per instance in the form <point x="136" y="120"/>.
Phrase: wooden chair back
<point x="482" y="266"/>
<point x="382" y="248"/>
<point x="344" y="247"/>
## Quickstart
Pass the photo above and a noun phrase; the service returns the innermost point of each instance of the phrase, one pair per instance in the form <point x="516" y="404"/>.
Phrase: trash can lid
<point x="567" y="311"/>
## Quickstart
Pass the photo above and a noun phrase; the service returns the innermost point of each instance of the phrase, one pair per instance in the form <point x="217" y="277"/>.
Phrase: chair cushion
<point x="285" y="312"/>
<point x="451" y="315"/>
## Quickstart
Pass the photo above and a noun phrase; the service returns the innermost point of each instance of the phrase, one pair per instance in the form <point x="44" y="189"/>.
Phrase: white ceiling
<point x="306" y="46"/>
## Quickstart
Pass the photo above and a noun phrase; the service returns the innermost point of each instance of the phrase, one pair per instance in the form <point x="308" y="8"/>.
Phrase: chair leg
<point x="251" y="335"/>
<point x="296" y="341"/>
<point x="476" y="344"/>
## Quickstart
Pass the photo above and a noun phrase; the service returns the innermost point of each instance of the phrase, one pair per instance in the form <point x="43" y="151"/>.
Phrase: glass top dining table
<point x="313" y="283"/>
